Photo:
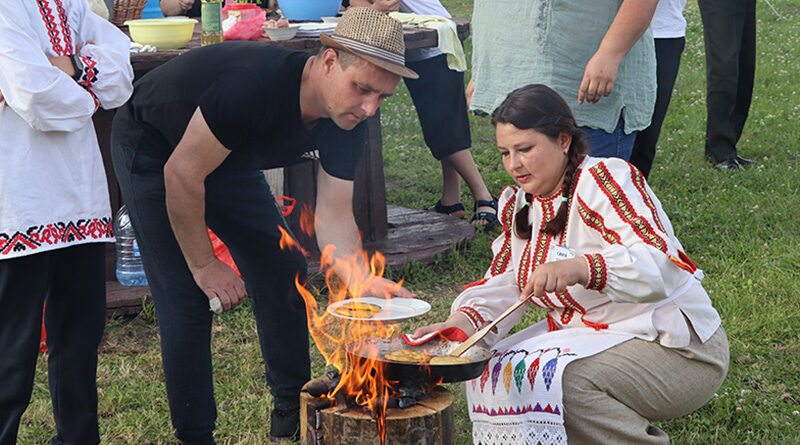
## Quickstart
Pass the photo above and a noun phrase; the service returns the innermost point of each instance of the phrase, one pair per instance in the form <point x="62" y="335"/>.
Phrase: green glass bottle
<point x="211" y="18"/>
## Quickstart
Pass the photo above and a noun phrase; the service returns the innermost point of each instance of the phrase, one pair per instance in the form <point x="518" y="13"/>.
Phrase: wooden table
<point x="400" y="234"/>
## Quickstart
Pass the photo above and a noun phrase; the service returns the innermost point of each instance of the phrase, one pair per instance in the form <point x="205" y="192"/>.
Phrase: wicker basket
<point x="127" y="10"/>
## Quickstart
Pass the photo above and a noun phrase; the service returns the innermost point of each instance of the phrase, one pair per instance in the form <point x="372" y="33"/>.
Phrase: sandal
<point x="490" y="219"/>
<point x="447" y="210"/>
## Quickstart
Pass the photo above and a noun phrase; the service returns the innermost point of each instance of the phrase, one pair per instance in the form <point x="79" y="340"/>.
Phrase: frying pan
<point x="375" y="348"/>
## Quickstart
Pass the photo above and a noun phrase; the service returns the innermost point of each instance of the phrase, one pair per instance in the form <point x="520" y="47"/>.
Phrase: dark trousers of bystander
<point x="729" y="30"/>
<point x="668" y="60"/>
<point x="71" y="281"/>
<point x="243" y="213"/>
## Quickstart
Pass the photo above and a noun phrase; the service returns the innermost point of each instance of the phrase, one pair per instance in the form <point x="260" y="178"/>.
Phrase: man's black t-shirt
<point x="249" y="94"/>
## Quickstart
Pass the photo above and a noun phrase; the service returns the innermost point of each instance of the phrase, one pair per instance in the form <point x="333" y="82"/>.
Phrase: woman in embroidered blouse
<point x="585" y="239"/>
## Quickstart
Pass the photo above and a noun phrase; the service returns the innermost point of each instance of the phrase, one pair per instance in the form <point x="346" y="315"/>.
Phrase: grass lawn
<point x="741" y="228"/>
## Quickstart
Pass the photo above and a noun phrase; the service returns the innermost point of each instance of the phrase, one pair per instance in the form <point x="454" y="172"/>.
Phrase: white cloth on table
<point x="53" y="190"/>
<point x="518" y="398"/>
<point x="424" y="7"/>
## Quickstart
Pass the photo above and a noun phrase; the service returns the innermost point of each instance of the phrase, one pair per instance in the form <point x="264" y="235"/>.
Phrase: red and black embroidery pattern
<point x="638" y="181"/>
<point x="624" y="208"/>
<point x="501" y="260"/>
<point x="474" y="284"/>
<point x="595" y="221"/>
<point x="55" y="234"/>
<point x="62" y="15"/>
<point x="473" y="315"/>
<point x="90" y="72"/>
<point x="52" y="29"/>
<point x="597" y="267"/>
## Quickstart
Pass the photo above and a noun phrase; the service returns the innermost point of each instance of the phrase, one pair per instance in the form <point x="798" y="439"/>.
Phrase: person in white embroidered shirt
<point x="630" y="335"/>
<point x="58" y="62"/>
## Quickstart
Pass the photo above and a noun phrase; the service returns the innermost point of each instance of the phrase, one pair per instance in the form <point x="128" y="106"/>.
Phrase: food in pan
<point x="449" y="360"/>
<point x="407" y="356"/>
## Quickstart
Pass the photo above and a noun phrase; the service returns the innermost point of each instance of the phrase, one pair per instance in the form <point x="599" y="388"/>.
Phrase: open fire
<point x="361" y="378"/>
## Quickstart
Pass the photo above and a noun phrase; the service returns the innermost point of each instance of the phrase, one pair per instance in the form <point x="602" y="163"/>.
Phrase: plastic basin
<point x="162" y="33"/>
<point x="313" y="10"/>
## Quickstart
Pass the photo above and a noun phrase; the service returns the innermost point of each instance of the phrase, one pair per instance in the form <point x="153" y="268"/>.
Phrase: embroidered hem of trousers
<point x="71" y="281"/>
<point x="613" y="397"/>
<point x="242" y="212"/>
<point x="729" y="30"/>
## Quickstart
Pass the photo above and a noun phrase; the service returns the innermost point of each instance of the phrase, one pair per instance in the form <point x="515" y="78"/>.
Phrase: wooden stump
<point x="429" y="422"/>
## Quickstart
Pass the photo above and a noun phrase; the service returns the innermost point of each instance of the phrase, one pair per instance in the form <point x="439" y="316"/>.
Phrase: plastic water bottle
<point x="129" y="263"/>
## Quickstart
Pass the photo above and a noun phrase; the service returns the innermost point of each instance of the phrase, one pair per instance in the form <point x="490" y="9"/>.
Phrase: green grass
<point x="742" y="229"/>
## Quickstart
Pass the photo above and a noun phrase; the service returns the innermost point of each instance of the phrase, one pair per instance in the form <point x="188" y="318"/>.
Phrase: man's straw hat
<point x="373" y="36"/>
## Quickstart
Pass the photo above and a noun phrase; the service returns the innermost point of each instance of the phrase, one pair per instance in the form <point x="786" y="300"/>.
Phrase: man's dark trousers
<point x="729" y="29"/>
<point x="242" y="212"/>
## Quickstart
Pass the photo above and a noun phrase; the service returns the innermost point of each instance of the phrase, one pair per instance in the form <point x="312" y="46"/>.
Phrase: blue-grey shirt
<point x="517" y="43"/>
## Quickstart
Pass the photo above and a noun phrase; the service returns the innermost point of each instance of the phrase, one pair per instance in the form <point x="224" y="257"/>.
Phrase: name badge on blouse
<point x="558" y="253"/>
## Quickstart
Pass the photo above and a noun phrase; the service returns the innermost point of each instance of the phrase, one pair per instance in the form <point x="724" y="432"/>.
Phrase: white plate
<point x="395" y="309"/>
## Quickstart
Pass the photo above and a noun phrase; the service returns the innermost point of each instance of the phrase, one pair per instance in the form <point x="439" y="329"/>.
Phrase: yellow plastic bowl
<point x="162" y="33"/>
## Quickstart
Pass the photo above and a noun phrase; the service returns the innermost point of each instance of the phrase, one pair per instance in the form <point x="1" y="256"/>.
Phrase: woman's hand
<point x="456" y="319"/>
<point x="556" y="276"/>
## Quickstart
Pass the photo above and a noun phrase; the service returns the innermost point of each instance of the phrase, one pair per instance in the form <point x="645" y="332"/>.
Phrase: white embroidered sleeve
<point x="640" y="259"/>
<point x="41" y="94"/>
<point x="107" y="69"/>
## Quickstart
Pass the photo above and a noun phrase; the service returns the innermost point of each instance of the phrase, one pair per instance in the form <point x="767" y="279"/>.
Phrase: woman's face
<point x="534" y="160"/>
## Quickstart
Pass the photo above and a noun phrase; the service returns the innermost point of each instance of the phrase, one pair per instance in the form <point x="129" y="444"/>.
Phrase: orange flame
<point x="363" y="376"/>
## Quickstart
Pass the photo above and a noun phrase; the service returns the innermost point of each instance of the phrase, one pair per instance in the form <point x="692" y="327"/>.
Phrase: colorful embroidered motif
<point x="507" y="374"/>
<point x="56" y="233"/>
<point x="549" y="371"/>
<point x="519" y="374"/>
<point x="624" y="208"/>
<point x="515" y="411"/>
<point x="496" y="375"/>
<point x="638" y="181"/>
<point x="595" y="221"/>
<point x="484" y="377"/>
<point x="597" y="266"/>
<point x="532" y="370"/>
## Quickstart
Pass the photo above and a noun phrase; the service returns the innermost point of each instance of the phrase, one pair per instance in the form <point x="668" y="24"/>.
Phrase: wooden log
<point x="429" y="422"/>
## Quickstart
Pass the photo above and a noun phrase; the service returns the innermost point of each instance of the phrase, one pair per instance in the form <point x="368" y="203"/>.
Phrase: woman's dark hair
<point x="538" y="107"/>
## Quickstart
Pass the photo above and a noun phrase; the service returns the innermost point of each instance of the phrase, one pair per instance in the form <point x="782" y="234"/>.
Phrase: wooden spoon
<point x="478" y="336"/>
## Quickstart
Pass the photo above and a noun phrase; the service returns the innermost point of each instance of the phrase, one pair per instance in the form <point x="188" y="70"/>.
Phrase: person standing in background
<point x="729" y="31"/>
<point x="669" y="36"/>
<point x="441" y="105"/>
<point x="58" y="62"/>
<point x="597" y="55"/>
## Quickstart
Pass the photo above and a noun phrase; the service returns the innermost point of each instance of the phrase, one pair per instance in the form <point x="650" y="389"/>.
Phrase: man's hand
<point x="217" y="279"/>
<point x="556" y="276"/>
<point x="64" y="64"/>
<point x="380" y="287"/>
